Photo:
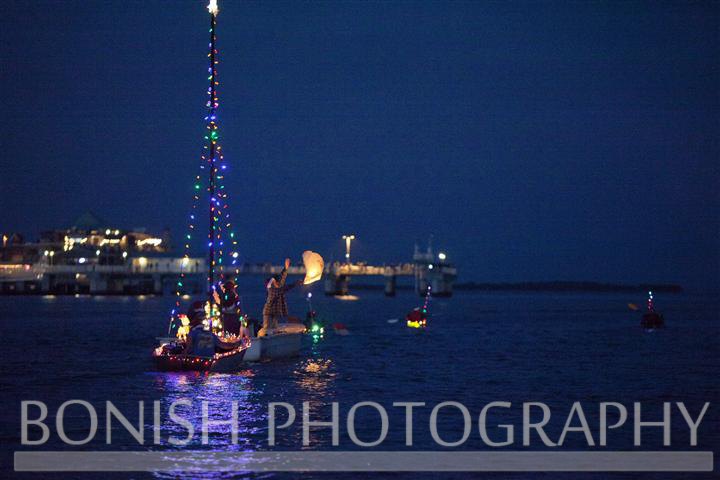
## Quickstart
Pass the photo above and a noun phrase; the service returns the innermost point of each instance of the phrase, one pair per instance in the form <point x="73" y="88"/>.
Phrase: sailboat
<point x="221" y="262"/>
<point x="417" y="317"/>
<point x="652" y="319"/>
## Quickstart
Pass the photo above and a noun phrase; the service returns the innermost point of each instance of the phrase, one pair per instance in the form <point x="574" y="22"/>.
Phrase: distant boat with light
<point x="652" y="319"/>
<point x="418" y="317"/>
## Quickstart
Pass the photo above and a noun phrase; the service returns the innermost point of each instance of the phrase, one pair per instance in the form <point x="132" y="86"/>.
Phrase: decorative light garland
<point x="213" y="161"/>
<point x="185" y="362"/>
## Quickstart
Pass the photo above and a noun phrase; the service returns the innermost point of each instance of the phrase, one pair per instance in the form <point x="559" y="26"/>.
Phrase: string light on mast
<point x="220" y="237"/>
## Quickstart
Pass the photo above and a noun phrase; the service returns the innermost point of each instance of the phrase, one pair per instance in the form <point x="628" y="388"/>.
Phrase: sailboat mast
<point x="212" y="138"/>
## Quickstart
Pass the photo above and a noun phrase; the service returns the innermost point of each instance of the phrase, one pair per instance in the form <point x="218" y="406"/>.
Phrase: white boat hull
<point x="285" y="342"/>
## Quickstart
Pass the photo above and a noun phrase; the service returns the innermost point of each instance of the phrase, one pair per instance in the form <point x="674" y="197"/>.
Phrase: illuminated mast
<point x="214" y="148"/>
<point x="212" y="166"/>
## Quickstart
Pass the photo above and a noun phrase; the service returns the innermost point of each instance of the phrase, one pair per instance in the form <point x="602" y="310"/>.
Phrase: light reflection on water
<point x="219" y="390"/>
<point x="311" y="380"/>
<point x="315" y="377"/>
<point x="557" y="349"/>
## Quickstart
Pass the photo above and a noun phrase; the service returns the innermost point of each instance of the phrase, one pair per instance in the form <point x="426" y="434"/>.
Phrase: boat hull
<point x="284" y="343"/>
<point x="652" y="320"/>
<point x="281" y="345"/>
<point x="228" y="362"/>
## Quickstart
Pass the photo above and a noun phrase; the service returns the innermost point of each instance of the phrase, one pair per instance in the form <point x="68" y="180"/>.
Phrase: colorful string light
<point x="212" y="166"/>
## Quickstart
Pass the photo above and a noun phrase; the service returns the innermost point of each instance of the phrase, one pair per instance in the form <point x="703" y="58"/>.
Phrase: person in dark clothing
<point x="196" y="312"/>
<point x="230" y="308"/>
<point x="201" y="342"/>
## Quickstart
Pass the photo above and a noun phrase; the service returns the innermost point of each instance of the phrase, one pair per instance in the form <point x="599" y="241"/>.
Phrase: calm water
<point x="479" y="348"/>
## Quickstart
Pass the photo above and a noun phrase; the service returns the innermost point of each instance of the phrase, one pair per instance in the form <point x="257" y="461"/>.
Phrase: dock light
<point x="52" y="253"/>
<point x="107" y="231"/>
<point x="235" y="255"/>
<point x="117" y="232"/>
<point x="348" y="239"/>
<point x="124" y="254"/>
<point x="82" y="260"/>
<point x="97" y="252"/>
<point x="442" y="256"/>
<point x="430" y="266"/>
<point x="46" y="253"/>
<point x="309" y="294"/>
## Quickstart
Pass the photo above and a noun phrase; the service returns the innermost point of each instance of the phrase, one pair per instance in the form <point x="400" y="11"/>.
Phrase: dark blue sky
<point x="535" y="140"/>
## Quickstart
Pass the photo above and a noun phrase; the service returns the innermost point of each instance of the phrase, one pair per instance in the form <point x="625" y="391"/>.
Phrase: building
<point x="93" y="256"/>
<point x="89" y="241"/>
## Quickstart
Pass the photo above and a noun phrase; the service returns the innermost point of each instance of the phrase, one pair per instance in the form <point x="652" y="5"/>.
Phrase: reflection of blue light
<point x="219" y="390"/>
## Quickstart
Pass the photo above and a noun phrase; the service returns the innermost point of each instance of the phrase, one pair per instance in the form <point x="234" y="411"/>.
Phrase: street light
<point x="348" y="239"/>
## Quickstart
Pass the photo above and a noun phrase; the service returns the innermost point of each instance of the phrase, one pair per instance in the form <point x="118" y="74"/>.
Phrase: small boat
<point x="168" y="357"/>
<point x="417" y="317"/>
<point x="340" y="329"/>
<point x="652" y="319"/>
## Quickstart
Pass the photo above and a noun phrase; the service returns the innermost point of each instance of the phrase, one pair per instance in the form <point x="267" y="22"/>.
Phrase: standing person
<point x="275" y="305"/>
<point x="230" y="308"/>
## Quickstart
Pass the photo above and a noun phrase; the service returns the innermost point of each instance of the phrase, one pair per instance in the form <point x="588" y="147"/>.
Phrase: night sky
<point x="534" y="140"/>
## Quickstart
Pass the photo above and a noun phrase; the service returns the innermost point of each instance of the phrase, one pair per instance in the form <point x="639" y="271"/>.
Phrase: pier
<point x="157" y="276"/>
<point x="91" y="258"/>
